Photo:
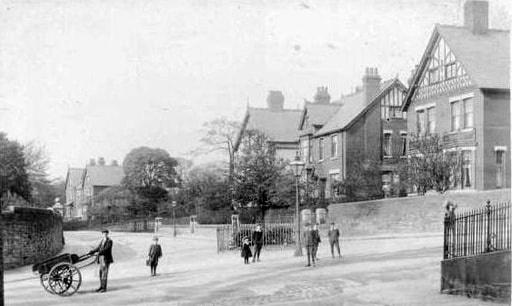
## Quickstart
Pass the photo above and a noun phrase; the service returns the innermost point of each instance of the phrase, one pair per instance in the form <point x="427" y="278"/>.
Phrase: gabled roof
<point x="485" y="57"/>
<point x="317" y="114"/>
<point x="104" y="175"/>
<point x="74" y="177"/>
<point x="278" y="125"/>
<point x="354" y="106"/>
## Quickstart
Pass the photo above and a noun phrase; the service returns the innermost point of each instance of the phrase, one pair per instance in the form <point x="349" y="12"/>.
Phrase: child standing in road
<point x="246" y="250"/>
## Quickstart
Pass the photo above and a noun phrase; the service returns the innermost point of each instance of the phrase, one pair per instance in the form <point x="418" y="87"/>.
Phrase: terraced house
<point x="365" y="125"/>
<point x="461" y="91"/>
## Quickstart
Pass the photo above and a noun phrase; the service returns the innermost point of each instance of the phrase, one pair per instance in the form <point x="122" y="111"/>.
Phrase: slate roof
<point x="352" y="106"/>
<point x="318" y="114"/>
<point x="104" y="175"/>
<point x="74" y="177"/>
<point x="485" y="57"/>
<point x="279" y="126"/>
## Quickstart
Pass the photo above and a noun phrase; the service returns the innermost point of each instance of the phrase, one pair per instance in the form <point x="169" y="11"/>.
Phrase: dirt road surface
<point x="377" y="270"/>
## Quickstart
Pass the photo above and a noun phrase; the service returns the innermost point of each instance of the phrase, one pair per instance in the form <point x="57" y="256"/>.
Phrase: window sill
<point x="403" y="156"/>
<point x="388" y="157"/>
<point x="334" y="158"/>
<point x="460" y="131"/>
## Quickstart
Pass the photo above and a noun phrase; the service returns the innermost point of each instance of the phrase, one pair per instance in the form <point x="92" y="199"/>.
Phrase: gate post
<point x="446" y="236"/>
<point x="488" y="207"/>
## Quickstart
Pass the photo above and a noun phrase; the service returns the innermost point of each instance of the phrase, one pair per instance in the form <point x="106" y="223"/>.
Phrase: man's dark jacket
<point x="105" y="250"/>
<point x="257" y="237"/>
<point x="308" y="238"/>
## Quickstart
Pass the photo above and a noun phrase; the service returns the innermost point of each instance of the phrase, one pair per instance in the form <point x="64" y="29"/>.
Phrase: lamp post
<point x="297" y="167"/>
<point x="174" y="218"/>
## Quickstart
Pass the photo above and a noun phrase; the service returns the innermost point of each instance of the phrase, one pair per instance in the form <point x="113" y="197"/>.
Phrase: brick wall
<point x="30" y="235"/>
<point x="405" y="215"/>
<point x="496" y="133"/>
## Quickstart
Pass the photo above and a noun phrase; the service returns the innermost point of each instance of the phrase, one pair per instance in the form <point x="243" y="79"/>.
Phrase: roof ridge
<point x="276" y="111"/>
<point x="463" y="27"/>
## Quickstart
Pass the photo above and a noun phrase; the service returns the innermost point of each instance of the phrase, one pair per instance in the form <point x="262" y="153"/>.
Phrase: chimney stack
<point x="371" y="83"/>
<point x="101" y="161"/>
<point x="114" y="163"/>
<point x="476" y="16"/>
<point x="322" y="95"/>
<point x="92" y="162"/>
<point x="275" y="100"/>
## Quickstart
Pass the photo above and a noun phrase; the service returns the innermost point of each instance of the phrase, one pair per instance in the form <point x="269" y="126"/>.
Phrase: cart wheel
<point x="64" y="279"/>
<point x="44" y="282"/>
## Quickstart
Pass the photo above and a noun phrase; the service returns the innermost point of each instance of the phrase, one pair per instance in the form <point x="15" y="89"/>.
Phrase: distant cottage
<point x="276" y="122"/>
<point x="83" y="185"/>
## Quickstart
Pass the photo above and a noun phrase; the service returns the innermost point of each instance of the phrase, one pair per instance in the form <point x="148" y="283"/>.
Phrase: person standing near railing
<point x="257" y="239"/>
<point x="449" y="216"/>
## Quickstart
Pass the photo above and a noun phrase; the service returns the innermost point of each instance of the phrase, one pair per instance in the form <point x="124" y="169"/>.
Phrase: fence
<point x="477" y="231"/>
<point x="274" y="234"/>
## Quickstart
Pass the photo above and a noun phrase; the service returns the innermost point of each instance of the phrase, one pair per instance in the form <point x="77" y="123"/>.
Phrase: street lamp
<point x="297" y="167"/>
<point x="173" y="204"/>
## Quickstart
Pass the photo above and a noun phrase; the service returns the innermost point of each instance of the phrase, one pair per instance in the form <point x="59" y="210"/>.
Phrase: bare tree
<point x="220" y="136"/>
<point x="429" y="166"/>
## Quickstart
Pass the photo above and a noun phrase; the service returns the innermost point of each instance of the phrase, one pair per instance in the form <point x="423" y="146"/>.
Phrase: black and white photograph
<point x="255" y="152"/>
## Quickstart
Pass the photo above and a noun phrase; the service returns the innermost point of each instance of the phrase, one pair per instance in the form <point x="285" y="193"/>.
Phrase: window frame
<point x="321" y="149"/>
<point x="386" y="144"/>
<point x="334" y="145"/>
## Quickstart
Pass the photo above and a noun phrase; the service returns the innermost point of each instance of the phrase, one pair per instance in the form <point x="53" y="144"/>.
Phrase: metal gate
<point x="278" y="235"/>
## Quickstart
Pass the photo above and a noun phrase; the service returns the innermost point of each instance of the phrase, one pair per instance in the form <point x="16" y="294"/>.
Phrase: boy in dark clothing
<point x="155" y="252"/>
<point x="334" y="237"/>
<point x="257" y="239"/>
<point x="246" y="250"/>
<point x="309" y="243"/>
<point x="316" y="240"/>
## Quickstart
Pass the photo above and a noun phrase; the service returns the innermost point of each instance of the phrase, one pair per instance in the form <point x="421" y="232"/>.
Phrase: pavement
<point x="374" y="270"/>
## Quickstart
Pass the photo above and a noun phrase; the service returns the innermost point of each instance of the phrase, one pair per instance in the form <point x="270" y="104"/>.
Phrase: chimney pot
<point x="275" y="100"/>
<point x="371" y="84"/>
<point x="476" y="16"/>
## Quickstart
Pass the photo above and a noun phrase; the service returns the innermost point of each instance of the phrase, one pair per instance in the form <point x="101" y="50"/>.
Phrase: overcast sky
<point x="98" y="78"/>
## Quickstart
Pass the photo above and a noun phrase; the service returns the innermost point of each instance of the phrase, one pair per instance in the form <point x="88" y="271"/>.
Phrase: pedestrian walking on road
<point x="257" y="239"/>
<point x="334" y="239"/>
<point x="316" y="240"/>
<point x="309" y="243"/>
<point x="155" y="252"/>
<point x="246" y="250"/>
<point x="104" y="259"/>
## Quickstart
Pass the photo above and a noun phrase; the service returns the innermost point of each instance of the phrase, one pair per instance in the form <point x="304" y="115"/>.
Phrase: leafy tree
<point x="206" y="193"/>
<point x="220" y="136"/>
<point x="428" y="166"/>
<point x="14" y="178"/>
<point x="258" y="174"/>
<point x="149" y="173"/>
<point x="149" y="168"/>
<point x="362" y="182"/>
<point x="44" y="191"/>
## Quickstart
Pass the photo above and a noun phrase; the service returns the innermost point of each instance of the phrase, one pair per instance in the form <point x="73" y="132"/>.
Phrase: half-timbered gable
<point x="441" y="72"/>
<point x="461" y="92"/>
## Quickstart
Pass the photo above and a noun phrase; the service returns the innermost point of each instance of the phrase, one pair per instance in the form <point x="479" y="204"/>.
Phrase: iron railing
<point x="477" y="231"/>
<point x="274" y="234"/>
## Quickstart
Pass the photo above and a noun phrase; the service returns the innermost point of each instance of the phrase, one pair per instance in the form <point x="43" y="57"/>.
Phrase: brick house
<point x="367" y="125"/>
<point x="461" y="91"/>
<point x="97" y="178"/>
<point x="278" y="123"/>
<point x="83" y="184"/>
<point x="73" y="190"/>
